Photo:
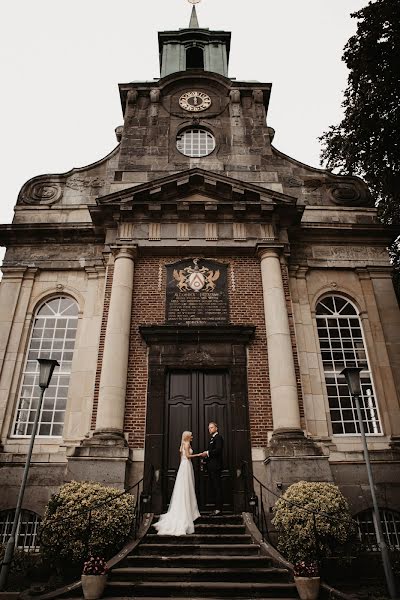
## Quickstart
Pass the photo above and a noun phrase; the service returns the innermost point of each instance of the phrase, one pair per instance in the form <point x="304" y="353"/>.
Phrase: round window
<point x="195" y="142"/>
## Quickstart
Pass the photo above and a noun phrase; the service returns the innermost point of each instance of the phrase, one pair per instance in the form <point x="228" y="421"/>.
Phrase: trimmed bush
<point x="70" y="533"/>
<point x="296" y="532"/>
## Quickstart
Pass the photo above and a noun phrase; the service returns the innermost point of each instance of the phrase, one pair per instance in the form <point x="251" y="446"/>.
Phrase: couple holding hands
<point x="183" y="509"/>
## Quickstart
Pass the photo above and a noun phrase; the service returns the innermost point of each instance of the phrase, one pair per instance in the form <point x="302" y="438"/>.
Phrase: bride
<point x="183" y="508"/>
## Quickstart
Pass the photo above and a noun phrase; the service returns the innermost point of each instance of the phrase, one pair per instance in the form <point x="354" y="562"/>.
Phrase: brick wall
<point x="148" y="308"/>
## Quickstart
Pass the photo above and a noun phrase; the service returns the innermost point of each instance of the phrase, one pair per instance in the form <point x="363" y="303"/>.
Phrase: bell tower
<point x="194" y="48"/>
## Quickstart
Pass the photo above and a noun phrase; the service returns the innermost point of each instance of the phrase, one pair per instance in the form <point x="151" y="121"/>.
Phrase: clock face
<point x="195" y="101"/>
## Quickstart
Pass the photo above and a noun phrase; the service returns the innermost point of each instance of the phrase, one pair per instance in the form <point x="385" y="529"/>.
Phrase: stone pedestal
<point x="292" y="442"/>
<point x="101" y="460"/>
<point x="281" y="471"/>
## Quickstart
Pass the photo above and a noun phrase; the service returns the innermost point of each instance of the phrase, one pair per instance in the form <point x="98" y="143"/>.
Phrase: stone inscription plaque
<point x="197" y="293"/>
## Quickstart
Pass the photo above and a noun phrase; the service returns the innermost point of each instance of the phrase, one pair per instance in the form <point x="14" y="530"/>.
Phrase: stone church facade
<point x="196" y="273"/>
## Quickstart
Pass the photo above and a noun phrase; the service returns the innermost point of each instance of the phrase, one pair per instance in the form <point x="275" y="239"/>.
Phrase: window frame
<point x="183" y="132"/>
<point x="354" y="434"/>
<point x="44" y="437"/>
<point x="32" y="520"/>
<point x="369" y="523"/>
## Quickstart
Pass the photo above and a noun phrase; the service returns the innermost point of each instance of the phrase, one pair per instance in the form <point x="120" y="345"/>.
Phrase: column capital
<point x="124" y="252"/>
<point x="264" y="251"/>
<point x="13" y="272"/>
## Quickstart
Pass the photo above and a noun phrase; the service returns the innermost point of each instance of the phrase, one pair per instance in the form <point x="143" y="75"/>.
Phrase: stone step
<point x="203" y="589"/>
<point x="213" y="529"/>
<point x="176" y="574"/>
<point x="191" y="597"/>
<point x="162" y="549"/>
<point x="197" y="561"/>
<point x="228" y="519"/>
<point x="204" y="538"/>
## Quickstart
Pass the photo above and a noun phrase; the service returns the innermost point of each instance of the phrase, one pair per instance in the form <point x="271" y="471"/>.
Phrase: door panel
<point x="194" y="398"/>
<point x="179" y="416"/>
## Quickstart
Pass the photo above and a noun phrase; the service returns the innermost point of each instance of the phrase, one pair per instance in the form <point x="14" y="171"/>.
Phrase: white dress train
<point x="183" y="508"/>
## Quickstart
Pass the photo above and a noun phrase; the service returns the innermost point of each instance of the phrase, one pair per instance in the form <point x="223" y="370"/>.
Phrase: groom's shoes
<point x="216" y="512"/>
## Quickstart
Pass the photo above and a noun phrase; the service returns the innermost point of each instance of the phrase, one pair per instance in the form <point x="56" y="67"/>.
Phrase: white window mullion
<point x="342" y="345"/>
<point x="53" y="318"/>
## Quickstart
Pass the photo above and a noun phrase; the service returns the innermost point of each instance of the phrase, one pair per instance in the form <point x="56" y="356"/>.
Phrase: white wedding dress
<point x="183" y="508"/>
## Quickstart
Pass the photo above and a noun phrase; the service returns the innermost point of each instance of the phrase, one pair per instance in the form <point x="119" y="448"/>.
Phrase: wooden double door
<point x="193" y="399"/>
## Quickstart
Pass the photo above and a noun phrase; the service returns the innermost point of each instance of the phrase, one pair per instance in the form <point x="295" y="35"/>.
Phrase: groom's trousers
<point x="216" y="486"/>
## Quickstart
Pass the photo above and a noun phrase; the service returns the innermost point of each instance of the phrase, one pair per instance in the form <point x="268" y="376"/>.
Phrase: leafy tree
<point x="367" y="141"/>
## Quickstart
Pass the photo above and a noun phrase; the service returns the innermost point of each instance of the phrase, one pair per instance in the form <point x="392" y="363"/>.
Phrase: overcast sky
<point x="61" y="61"/>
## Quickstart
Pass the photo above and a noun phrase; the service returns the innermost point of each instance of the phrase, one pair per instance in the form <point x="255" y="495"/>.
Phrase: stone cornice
<point x="29" y="233"/>
<point x="215" y="195"/>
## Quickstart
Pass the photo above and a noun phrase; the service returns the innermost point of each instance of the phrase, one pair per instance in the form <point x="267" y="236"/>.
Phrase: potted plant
<point x="94" y="577"/>
<point x="313" y="522"/>
<point x="307" y="579"/>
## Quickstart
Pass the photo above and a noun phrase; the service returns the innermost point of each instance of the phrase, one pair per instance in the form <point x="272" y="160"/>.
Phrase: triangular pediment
<point x="195" y="185"/>
<point x="196" y="194"/>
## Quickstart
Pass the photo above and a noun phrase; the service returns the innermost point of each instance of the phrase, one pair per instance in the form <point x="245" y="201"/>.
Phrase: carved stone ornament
<point x="79" y="183"/>
<point x="132" y="97"/>
<point x="258" y="96"/>
<point x="118" y="132"/>
<point x="312" y="183"/>
<point x="271" y="132"/>
<point x="348" y="194"/>
<point x="234" y="96"/>
<point x="292" y="181"/>
<point x="44" y="192"/>
<point x="155" y="95"/>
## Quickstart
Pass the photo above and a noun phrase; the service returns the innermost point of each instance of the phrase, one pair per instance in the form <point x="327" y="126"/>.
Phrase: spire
<point x="194" y="22"/>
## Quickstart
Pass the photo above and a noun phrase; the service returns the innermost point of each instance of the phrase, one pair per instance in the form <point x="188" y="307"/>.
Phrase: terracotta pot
<point x="93" y="586"/>
<point x="307" y="587"/>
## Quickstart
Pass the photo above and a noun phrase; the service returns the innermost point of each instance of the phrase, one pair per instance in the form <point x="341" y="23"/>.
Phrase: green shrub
<point x="296" y="532"/>
<point x="70" y="533"/>
<point x="22" y="562"/>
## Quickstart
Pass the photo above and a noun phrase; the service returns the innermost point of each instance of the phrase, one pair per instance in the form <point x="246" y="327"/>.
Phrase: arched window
<point x="390" y="526"/>
<point x="342" y="345"/>
<point x="27" y="530"/>
<point x="194" y="58"/>
<point x="53" y="336"/>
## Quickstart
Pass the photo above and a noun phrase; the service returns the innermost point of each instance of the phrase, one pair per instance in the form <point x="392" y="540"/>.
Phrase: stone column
<point x="111" y="406"/>
<point x="285" y="406"/>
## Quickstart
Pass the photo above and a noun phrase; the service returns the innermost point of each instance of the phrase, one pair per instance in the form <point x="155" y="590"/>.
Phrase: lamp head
<point x="352" y="376"/>
<point x="46" y="368"/>
<point x="253" y="501"/>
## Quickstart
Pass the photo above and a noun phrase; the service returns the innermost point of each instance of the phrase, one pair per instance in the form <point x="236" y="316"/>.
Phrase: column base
<point x="394" y="443"/>
<point x="292" y="442"/>
<point x="106" y="437"/>
<point x="102" y="458"/>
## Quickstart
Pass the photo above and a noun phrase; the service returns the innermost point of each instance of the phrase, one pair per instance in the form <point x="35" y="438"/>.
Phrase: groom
<point x="213" y="459"/>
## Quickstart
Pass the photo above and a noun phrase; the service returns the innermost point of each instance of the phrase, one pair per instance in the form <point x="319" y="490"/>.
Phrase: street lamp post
<point x="46" y="368"/>
<point x="352" y="376"/>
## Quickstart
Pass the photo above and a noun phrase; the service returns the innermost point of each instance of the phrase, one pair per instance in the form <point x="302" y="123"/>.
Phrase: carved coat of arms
<point x="196" y="278"/>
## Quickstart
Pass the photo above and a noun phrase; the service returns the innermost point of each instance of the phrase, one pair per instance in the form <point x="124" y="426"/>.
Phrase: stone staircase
<point x="218" y="561"/>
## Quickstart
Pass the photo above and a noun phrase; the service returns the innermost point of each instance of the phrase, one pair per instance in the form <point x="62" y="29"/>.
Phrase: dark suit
<point x="214" y="467"/>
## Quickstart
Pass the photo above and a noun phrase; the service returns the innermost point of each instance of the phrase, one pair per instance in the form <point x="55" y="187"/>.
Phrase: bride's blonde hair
<point x="185" y="435"/>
